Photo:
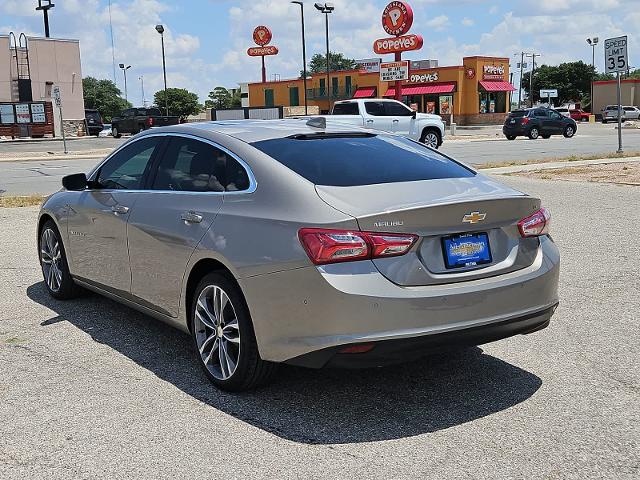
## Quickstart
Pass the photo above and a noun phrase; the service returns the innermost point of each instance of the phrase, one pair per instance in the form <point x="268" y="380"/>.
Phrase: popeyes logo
<point x="470" y="72"/>
<point x="397" y="44"/>
<point x="397" y="18"/>
<point x="492" y="72"/>
<point x="262" y="51"/>
<point x="424" y="77"/>
<point x="262" y="35"/>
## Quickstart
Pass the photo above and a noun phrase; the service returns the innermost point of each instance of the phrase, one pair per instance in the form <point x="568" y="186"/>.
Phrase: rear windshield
<point x="93" y="116"/>
<point x="518" y="113"/>
<point x="365" y="159"/>
<point x="152" y="112"/>
<point x="345" y="109"/>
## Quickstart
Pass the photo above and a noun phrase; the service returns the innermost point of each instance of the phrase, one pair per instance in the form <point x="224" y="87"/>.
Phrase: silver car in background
<point x="296" y="242"/>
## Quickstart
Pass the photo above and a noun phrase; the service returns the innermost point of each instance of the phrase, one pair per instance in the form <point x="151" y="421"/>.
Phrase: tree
<point x="634" y="74"/>
<point x="572" y="80"/>
<point x="337" y="62"/>
<point x="182" y="103"/>
<point x="104" y="96"/>
<point x="236" y="98"/>
<point x="218" y="98"/>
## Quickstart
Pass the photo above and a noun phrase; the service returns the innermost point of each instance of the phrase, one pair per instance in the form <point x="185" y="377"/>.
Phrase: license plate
<point x="466" y="250"/>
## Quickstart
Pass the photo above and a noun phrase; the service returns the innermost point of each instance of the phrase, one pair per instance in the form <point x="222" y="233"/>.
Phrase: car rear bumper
<point x="514" y="130"/>
<point x="313" y="309"/>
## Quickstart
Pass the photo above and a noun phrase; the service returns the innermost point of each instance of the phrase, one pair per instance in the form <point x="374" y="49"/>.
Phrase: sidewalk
<point x="40" y="156"/>
<point x="530" y="167"/>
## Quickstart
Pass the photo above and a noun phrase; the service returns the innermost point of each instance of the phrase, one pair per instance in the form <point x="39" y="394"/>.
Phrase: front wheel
<point x="53" y="261"/>
<point x="569" y="131"/>
<point x="431" y="138"/>
<point x="224" y="338"/>
<point x="534" y="133"/>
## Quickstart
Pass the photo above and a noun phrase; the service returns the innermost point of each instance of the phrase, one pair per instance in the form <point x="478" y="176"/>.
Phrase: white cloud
<point x="439" y="23"/>
<point x="467" y="22"/>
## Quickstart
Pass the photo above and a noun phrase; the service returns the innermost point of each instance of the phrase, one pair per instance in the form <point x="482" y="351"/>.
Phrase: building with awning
<point x="474" y="93"/>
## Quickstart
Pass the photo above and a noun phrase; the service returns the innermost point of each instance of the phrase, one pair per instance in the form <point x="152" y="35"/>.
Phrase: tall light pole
<point x="533" y="69"/>
<point x="45" y="11"/>
<point x="160" y="30"/>
<point x="520" y="85"/>
<point x="124" y="69"/>
<point x="593" y="42"/>
<point x="304" y="58"/>
<point x="326" y="8"/>
<point x="141" y="78"/>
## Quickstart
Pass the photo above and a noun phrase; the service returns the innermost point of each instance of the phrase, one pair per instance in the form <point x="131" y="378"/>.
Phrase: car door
<point x="97" y="223"/>
<point x="543" y="121"/>
<point x="557" y="122"/>
<point x="186" y="193"/>
<point x="402" y="117"/>
<point x="375" y="116"/>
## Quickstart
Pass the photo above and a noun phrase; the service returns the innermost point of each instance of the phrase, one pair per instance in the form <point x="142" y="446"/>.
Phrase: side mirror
<point x="414" y="114"/>
<point x="76" y="182"/>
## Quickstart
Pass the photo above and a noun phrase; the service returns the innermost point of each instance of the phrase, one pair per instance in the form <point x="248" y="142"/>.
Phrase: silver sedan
<point x="296" y="242"/>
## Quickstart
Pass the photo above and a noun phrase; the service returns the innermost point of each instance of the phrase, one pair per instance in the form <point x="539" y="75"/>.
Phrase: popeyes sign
<point x="397" y="19"/>
<point x="262" y="36"/>
<point x="492" y="72"/>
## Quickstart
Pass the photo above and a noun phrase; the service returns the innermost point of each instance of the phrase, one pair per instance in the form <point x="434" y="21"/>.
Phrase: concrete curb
<point x="50" y="158"/>
<point x="530" y="167"/>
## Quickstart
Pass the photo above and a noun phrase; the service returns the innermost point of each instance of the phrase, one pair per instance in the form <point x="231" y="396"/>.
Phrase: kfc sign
<point x="424" y="77"/>
<point x="397" y="44"/>
<point x="262" y="51"/>
<point x="397" y="18"/>
<point x="493" y="72"/>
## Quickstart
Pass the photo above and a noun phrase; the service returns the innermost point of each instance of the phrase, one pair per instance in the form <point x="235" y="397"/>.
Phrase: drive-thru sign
<point x="616" y="60"/>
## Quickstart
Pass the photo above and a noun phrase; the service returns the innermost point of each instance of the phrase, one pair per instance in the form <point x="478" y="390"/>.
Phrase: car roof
<point x="250" y="131"/>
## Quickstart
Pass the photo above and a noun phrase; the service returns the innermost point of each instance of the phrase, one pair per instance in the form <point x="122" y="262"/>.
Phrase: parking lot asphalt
<point x="92" y="389"/>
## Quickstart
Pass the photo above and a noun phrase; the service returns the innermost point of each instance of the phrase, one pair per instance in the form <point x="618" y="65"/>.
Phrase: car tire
<point x="534" y="133"/>
<point x="115" y="133"/>
<point x="510" y="137"/>
<point x="224" y="339"/>
<point x="431" y="138"/>
<point x="53" y="262"/>
<point x="604" y="121"/>
<point x="569" y="131"/>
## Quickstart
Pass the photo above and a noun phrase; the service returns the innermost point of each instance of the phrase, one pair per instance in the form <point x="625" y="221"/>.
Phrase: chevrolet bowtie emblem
<point x="474" y="217"/>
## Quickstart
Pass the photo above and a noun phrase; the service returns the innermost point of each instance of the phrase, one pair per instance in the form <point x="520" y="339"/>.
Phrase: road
<point x="91" y="389"/>
<point x="21" y="178"/>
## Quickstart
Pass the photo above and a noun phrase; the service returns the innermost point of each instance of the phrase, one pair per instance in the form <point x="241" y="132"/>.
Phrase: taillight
<point x="333" y="246"/>
<point x="150" y="122"/>
<point x="525" y="120"/>
<point x="536" y="224"/>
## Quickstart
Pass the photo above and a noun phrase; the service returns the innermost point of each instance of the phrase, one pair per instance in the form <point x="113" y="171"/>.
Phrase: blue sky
<point x="206" y="40"/>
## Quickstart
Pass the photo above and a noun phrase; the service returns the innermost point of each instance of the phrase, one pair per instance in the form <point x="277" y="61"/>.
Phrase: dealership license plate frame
<point x="475" y="261"/>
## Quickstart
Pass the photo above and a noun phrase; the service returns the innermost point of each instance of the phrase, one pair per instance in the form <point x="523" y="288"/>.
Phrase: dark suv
<point x="94" y="121"/>
<point x="538" y="122"/>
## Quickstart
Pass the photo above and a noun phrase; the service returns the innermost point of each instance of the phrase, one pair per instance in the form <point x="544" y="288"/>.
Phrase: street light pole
<point x="327" y="8"/>
<point x="593" y="42"/>
<point x="520" y="91"/>
<point x="45" y="11"/>
<point x="533" y="69"/>
<point x="141" y="78"/>
<point x="160" y="30"/>
<point x="304" y="58"/>
<point x="124" y="71"/>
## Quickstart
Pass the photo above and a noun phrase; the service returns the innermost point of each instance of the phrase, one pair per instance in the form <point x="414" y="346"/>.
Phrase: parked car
<point x="538" y="122"/>
<point x="283" y="242"/>
<point x="563" y="111"/>
<point x="579" y="115"/>
<point x="94" y="121"/>
<point x="610" y="113"/>
<point x="136" y="120"/>
<point x="390" y="116"/>
<point x="106" y="131"/>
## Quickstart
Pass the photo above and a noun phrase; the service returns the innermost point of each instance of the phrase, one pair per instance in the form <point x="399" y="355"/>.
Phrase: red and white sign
<point x="262" y="35"/>
<point x="397" y="18"/>
<point x="262" y="51"/>
<point x="493" y="72"/>
<point x="398" y="44"/>
<point x="470" y="72"/>
<point x="394" y="71"/>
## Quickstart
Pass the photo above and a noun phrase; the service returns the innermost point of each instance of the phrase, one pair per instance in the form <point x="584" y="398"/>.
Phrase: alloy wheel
<point x="534" y="133"/>
<point x="217" y="332"/>
<point x="51" y="259"/>
<point x="569" y="131"/>
<point x="431" y="140"/>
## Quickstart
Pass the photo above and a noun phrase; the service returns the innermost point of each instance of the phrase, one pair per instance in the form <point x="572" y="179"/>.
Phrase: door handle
<point x="191" y="217"/>
<point x="120" y="209"/>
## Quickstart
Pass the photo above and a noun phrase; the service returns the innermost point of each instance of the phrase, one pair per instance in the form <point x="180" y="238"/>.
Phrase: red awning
<point x="423" y="89"/>
<point x="497" y="86"/>
<point x="366" y="92"/>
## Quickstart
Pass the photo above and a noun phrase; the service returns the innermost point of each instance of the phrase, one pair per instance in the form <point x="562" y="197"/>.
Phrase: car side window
<point x="540" y="113"/>
<point x="126" y="169"/>
<point x="190" y="165"/>
<point x="555" y="115"/>
<point x="375" y="109"/>
<point x="394" y="109"/>
<point x="350" y="108"/>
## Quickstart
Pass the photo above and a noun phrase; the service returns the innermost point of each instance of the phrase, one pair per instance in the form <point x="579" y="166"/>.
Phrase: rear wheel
<point x="511" y="137"/>
<point x="569" y="131"/>
<point x="534" y="133"/>
<point x="430" y="137"/>
<point x="53" y="261"/>
<point x="224" y="338"/>
<point x="115" y="132"/>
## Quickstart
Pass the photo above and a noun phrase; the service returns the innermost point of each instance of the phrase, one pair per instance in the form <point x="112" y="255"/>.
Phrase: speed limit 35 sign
<point x="616" y="58"/>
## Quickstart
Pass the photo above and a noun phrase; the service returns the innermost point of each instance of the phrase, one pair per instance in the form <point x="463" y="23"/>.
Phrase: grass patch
<point x="570" y="158"/>
<point x="12" y="201"/>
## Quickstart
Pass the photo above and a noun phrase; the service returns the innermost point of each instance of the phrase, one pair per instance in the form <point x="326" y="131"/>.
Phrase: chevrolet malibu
<point x="303" y="243"/>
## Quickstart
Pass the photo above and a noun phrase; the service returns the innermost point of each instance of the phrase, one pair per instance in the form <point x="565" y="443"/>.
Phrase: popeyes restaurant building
<point x="478" y="92"/>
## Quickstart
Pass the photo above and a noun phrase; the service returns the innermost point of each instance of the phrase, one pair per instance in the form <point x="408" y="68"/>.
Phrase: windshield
<point x="347" y="160"/>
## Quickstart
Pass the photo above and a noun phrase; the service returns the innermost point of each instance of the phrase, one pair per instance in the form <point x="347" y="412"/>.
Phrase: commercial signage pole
<point x="262" y="36"/>
<point x="398" y="95"/>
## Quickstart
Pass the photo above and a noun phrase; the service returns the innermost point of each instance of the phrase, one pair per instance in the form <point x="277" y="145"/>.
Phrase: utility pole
<point x="533" y="69"/>
<point x="144" y="102"/>
<point x="520" y="85"/>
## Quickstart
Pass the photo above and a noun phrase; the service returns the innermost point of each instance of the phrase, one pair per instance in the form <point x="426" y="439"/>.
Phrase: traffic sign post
<point x="57" y="99"/>
<point x="616" y="60"/>
<point x="549" y="93"/>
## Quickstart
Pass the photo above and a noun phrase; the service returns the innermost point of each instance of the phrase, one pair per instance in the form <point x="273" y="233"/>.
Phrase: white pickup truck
<point x="390" y="116"/>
